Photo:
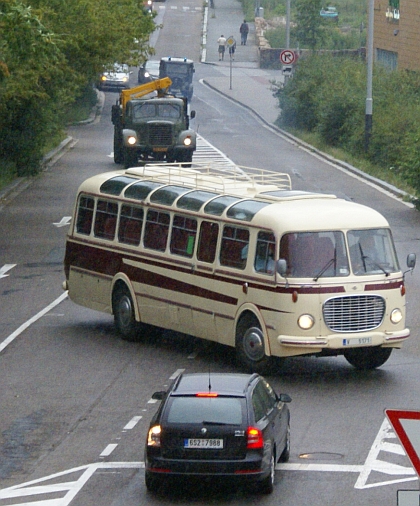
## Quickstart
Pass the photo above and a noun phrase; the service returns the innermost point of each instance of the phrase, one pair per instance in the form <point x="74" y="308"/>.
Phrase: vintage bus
<point x="234" y="255"/>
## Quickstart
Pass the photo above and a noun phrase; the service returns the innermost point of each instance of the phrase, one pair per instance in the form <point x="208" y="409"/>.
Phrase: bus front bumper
<point x="344" y="341"/>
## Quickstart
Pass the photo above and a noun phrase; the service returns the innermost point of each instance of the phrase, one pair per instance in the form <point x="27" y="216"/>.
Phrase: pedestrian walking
<point x="232" y="49"/>
<point x="243" y="30"/>
<point x="222" y="46"/>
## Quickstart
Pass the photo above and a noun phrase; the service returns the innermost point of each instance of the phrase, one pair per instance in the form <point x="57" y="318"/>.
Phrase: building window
<point x="388" y="59"/>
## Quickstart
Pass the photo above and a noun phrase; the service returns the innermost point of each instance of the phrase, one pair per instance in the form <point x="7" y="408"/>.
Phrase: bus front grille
<point x="355" y="313"/>
<point x="160" y="135"/>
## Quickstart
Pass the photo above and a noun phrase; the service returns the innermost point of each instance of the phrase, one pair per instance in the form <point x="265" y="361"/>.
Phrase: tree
<point x="310" y="26"/>
<point x="49" y="51"/>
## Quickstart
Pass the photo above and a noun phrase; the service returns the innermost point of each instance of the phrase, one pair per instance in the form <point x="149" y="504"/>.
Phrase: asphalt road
<point x="76" y="400"/>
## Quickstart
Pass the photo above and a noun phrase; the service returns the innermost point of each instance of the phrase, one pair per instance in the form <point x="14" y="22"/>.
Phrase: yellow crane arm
<point x="159" y="85"/>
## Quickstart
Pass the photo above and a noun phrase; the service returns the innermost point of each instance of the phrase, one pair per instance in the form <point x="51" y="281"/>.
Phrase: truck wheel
<point x="118" y="152"/>
<point x="249" y="343"/>
<point x="367" y="358"/>
<point x="130" y="158"/>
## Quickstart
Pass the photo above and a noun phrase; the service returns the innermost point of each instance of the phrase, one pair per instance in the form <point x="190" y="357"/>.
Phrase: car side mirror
<point x="192" y="114"/>
<point x="284" y="398"/>
<point x="158" y="396"/>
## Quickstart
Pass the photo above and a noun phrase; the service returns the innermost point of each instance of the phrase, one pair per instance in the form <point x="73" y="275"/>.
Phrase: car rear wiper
<point x="208" y="422"/>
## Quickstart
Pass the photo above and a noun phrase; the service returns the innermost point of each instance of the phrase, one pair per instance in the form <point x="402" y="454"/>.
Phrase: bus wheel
<point x="123" y="309"/>
<point x="250" y="349"/>
<point x="367" y="358"/>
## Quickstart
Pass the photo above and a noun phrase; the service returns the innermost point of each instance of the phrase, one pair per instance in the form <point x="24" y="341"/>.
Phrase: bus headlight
<point x="187" y="141"/>
<point x="131" y="140"/>
<point x="396" y="315"/>
<point x="306" y="321"/>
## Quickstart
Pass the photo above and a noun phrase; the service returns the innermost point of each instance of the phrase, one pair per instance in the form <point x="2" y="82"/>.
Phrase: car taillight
<point x="254" y="438"/>
<point x="153" y="438"/>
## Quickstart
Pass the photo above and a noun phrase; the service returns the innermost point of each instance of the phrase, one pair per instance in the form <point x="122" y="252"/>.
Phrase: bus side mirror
<point x="282" y="267"/>
<point x="411" y="261"/>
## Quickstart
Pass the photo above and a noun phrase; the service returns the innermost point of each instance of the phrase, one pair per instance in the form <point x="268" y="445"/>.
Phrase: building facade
<point x="396" y="38"/>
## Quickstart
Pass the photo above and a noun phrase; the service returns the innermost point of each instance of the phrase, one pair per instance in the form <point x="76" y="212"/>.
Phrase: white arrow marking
<point x="64" y="221"/>
<point x="5" y="268"/>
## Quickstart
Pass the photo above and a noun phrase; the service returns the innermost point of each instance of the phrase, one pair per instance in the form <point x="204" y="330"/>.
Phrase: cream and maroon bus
<point x="235" y="256"/>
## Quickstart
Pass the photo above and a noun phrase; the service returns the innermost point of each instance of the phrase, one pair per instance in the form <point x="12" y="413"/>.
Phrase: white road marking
<point x="64" y="222"/>
<point x="32" y="320"/>
<point x="176" y="374"/>
<point x="374" y="463"/>
<point x="5" y="268"/>
<point x="108" y="450"/>
<point x="132" y="423"/>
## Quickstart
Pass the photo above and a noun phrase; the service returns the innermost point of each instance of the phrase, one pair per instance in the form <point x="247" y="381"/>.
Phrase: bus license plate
<point x="209" y="444"/>
<point x="357" y="341"/>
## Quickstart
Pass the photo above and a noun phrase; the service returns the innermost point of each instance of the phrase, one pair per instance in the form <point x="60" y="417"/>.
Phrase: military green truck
<point x="181" y="72"/>
<point x="152" y="125"/>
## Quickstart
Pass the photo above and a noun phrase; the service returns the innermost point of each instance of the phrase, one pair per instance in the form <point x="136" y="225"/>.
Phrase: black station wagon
<point x="218" y="425"/>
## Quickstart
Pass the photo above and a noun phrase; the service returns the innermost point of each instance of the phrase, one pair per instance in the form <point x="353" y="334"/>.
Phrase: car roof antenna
<point x="209" y="381"/>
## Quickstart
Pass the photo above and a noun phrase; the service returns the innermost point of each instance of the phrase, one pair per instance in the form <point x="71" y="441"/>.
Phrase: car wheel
<point x="123" y="309"/>
<point x="267" y="484"/>
<point x="367" y="358"/>
<point x="285" y="456"/>
<point x="250" y="348"/>
<point x="151" y="480"/>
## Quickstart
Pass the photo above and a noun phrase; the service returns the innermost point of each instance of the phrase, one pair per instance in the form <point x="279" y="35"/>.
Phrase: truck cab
<point x="181" y="72"/>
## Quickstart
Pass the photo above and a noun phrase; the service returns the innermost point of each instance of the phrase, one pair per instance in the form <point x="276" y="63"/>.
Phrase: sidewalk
<point x="241" y="79"/>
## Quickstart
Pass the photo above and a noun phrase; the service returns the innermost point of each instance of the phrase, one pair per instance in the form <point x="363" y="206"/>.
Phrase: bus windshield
<point x="372" y="252"/>
<point x="324" y="254"/>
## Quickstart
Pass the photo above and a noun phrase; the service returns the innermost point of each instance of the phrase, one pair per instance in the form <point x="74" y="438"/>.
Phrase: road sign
<point x="408" y="498"/>
<point x="230" y="42"/>
<point x="287" y="57"/>
<point x="406" y="425"/>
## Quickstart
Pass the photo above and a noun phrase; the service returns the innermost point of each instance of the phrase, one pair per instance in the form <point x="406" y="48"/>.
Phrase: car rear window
<point x="218" y="410"/>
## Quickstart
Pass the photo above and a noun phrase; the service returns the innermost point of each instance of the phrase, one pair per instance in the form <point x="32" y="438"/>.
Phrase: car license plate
<point x="357" y="341"/>
<point x="209" y="444"/>
<point x="160" y="150"/>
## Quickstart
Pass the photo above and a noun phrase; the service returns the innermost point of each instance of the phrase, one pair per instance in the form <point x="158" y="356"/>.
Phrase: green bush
<point x="327" y="96"/>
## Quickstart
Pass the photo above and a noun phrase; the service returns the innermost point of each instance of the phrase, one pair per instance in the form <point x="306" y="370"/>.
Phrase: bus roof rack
<point x="222" y="178"/>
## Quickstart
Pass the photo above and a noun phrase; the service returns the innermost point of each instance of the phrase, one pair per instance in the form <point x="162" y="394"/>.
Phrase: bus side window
<point x="85" y="215"/>
<point x="183" y="235"/>
<point x="265" y="253"/>
<point x="156" y="230"/>
<point x="207" y="244"/>
<point x="106" y="219"/>
<point x="234" y="248"/>
<point x="131" y="222"/>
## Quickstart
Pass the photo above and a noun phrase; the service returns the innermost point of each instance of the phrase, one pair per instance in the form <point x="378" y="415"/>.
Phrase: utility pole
<point x="369" y="99"/>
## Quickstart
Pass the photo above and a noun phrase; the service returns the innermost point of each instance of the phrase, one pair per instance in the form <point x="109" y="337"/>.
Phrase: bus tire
<point x="124" y="318"/>
<point x="249" y="344"/>
<point x="367" y="358"/>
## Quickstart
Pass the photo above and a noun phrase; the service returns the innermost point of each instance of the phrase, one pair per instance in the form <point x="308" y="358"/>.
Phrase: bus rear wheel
<point x="124" y="318"/>
<point x="367" y="358"/>
<point x="250" y="348"/>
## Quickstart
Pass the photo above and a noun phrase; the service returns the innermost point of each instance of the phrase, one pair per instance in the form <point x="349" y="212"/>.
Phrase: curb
<point x="401" y="194"/>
